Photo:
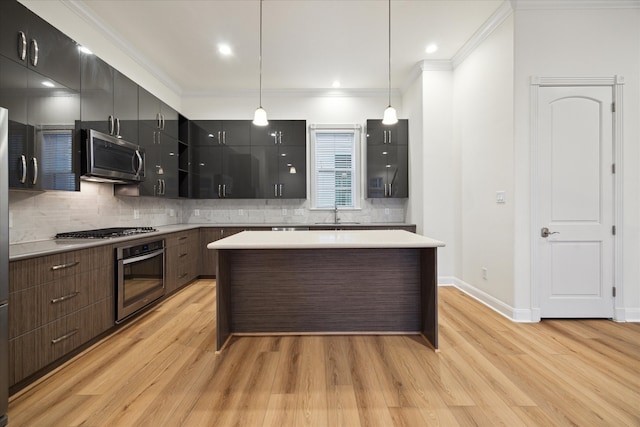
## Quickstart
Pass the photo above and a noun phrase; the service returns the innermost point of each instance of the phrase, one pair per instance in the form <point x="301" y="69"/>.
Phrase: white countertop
<point x="344" y="239"/>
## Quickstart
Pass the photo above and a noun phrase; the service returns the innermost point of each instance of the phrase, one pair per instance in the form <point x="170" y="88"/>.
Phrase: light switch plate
<point x="136" y="214"/>
<point x="196" y="212"/>
<point x="501" y="197"/>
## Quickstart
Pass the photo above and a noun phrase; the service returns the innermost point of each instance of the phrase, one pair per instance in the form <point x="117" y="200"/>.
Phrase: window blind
<point x="334" y="166"/>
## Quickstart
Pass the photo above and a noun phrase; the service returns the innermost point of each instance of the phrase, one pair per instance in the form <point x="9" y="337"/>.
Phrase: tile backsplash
<point x="37" y="216"/>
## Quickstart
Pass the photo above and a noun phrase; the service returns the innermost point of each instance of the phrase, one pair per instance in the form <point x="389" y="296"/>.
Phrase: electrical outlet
<point x="172" y="212"/>
<point x="299" y="212"/>
<point x="501" y="197"/>
<point x="484" y="273"/>
<point x="241" y="212"/>
<point x="386" y="211"/>
<point x="136" y="214"/>
<point x="284" y="212"/>
<point x="196" y="212"/>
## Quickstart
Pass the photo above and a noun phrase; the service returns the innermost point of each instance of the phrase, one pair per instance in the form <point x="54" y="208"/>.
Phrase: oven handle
<point x="142" y="257"/>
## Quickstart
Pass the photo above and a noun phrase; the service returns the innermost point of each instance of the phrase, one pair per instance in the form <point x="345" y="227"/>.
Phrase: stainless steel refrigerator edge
<point x="4" y="266"/>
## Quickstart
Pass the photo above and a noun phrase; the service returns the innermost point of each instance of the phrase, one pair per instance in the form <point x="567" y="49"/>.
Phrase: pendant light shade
<point x="390" y="116"/>
<point x="260" y="115"/>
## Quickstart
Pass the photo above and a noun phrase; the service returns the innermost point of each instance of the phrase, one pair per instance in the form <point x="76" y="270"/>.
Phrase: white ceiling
<point x="307" y="44"/>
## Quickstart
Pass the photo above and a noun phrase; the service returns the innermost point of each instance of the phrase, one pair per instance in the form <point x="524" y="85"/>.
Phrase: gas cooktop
<point x="105" y="233"/>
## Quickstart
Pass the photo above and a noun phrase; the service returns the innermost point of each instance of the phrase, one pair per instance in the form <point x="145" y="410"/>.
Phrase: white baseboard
<point x="521" y="315"/>
<point x="628" y="315"/>
<point x="514" y="314"/>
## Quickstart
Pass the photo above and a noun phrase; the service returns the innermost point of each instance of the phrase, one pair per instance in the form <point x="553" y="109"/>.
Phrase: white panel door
<point x="575" y="182"/>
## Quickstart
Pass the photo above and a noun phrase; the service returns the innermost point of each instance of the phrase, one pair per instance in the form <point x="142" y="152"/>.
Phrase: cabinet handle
<point x="22" y="45"/>
<point x="224" y="190"/>
<point x="65" y="336"/>
<point x="140" y="162"/>
<point x="34" y="162"/>
<point x="280" y="137"/>
<point x="275" y="190"/>
<point x="158" y="120"/>
<point x="275" y="137"/>
<point x="219" y="191"/>
<point x="183" y="275"/>
<point x="280" y="190"/>
<point x="182" y="255"/>
<point x="63" y="266"/>
<point x="162" y="121"/>
<point x="183" y="238"/>
<point x="390" y="189"/>
<point x="219" y="138"/>
<point x="384" y="133"/>
<point x="389" y="137"/>
<point x="111" y="127"/>
<point x="117" y="126"/>
<point x="224" y="137"/>
<point x="35" y="51"/>
<point x="65" y="297"/>
<point x="23" y="163"/>
<point x="385" y="189"/>
<point x="164" y="187"/>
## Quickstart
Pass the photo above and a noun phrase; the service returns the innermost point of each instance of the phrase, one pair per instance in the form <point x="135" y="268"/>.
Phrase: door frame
<point x="616" y="83"/>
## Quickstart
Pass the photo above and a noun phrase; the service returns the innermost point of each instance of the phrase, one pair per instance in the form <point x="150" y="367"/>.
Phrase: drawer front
<point x="37" y="306"/>
<point x="35" y="271"/>
<point x="36" y="349"/>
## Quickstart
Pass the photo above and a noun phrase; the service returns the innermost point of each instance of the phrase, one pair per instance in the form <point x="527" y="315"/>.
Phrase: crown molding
<point x="292" y="93"/>
<point x="495" y="20"/>
<point x="436" y="65"/>
<point x="78" y="7"/>
<point x="574" y="4"/>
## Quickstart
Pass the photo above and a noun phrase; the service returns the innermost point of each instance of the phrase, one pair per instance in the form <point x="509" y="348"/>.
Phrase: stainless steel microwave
<point x="109" y="159"/>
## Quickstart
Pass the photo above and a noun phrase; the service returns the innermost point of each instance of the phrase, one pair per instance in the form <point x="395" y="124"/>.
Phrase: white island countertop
<point x="341" y="239"/>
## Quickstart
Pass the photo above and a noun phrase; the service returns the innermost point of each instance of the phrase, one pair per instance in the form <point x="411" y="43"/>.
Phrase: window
<point x="335" y="159"/>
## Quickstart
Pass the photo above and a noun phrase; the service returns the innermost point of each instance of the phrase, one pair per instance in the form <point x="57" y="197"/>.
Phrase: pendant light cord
<point x="260" y="53"/>
<point x="389" y="52"/>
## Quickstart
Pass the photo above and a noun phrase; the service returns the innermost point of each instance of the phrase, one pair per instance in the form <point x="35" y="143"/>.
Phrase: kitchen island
<point x="326" y="282"/>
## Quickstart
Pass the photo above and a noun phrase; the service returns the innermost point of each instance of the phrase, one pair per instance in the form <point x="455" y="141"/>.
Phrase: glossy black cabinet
<point x="161" y="163"/>
<point x="43" y="136"/>
<point x="156" y="114"/>
<point x="29" y="40"/>
<point x="387" y="159"/>
<point x="280" y="132"/>
<point x="184" y="158"/>
<point x="281" y="167"/>
<point x="220" y="164"/>
<point x="109" y="100"/>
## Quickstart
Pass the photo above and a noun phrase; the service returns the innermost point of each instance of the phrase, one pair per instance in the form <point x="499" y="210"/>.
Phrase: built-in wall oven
<point x="139" y="277"/>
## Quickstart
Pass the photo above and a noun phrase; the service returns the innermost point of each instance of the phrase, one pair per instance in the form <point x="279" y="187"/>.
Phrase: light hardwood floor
<point x="161" y="370"/>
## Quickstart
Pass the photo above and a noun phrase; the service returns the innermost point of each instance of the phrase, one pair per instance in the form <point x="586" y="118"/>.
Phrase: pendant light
<point x="260" y="116"/>
<point x="390" y="116"/>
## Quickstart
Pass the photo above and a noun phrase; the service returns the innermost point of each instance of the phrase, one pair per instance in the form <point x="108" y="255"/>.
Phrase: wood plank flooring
<point x="161" y="370"/>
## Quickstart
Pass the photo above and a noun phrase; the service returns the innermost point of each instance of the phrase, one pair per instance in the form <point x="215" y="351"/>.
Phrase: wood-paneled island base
<point x="333" y="282"/>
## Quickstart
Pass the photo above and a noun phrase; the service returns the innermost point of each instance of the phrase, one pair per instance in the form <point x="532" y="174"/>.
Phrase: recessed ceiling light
<point x="225" y="49"/>
<point x="85" y="50"/>
<point x="48" y="84"/>
<point x="431" y="48"/>
<point x="336" y="84"/>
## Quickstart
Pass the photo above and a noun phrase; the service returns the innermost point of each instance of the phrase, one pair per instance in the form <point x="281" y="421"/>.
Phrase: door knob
<point x="546" y="233"/>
